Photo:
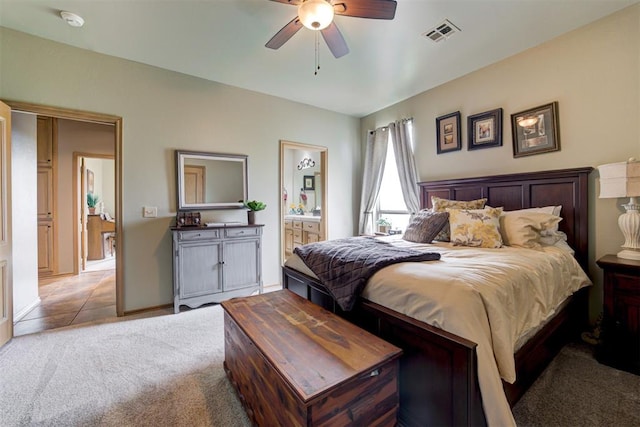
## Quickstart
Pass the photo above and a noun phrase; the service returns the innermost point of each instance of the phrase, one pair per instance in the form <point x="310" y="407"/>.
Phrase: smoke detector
<point x="442" y="31"/>
<point x="72" y="19"/>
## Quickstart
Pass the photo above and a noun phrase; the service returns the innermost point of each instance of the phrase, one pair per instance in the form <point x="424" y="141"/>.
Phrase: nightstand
<point x="620" y="345"/>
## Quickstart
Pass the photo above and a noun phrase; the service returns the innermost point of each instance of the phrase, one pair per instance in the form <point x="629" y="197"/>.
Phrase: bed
<point x="439" y="370"/>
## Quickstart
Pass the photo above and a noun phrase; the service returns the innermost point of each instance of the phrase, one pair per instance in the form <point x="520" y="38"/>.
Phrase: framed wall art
<point x="536" y="131"/>
<point x="485" y="129"/>
<point x="448" y="133"/>
<point x="309" y="182"/>
<point x="90" y="181"/>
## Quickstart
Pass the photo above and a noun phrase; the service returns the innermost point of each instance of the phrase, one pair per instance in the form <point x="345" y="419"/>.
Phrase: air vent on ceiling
<point x="442" y="31"/>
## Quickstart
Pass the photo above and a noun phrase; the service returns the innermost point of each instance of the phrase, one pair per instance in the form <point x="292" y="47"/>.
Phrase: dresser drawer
<point x="184" y="236"/>
<point x="627" y="283"/>
<point x="297" y="236"/>
<point x="242" y="232"/>
<point x="297" y="225"/>
<point x="313" y="227"/>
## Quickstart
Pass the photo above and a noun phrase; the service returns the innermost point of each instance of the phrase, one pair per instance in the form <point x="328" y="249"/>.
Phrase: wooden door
<point x="45" y="247"/>
<point x="6" y="262"/>
<point x="194" y="179"/>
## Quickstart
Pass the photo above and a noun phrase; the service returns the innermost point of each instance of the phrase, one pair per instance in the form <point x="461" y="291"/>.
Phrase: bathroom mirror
<point x="210" y="180"/>
<point x="303" y="205"/>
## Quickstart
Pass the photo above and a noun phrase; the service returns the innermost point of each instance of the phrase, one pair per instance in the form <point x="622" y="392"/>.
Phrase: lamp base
<point x="629" y="254"/>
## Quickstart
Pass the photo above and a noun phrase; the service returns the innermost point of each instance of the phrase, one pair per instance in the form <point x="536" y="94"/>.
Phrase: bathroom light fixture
<point x="72" y="19"/>
<point x="623" y="180"/>
<point x="306" y="163"/>
<point x="315" y="14"/>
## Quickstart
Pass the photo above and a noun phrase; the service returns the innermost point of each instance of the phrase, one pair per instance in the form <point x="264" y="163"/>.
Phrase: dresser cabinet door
<point x="241" y="263"/>
<point x="200" y="269"/>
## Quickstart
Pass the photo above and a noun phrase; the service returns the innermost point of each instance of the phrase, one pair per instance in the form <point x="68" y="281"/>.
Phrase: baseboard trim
<point x="19" y="315"/>
<point x="144" y="310"/>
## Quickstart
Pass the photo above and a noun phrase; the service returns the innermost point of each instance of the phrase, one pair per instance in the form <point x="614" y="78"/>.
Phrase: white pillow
<point x="524" y="227"/>
<point x="553" y="210"/>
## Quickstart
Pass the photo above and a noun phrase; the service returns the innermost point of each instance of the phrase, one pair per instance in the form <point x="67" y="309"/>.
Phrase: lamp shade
<point x="315" y="14"/>
<point x="620" y="179"/>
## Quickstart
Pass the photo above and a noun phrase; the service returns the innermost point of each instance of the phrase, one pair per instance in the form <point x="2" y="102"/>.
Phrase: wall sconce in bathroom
<point x="306" y="163"/>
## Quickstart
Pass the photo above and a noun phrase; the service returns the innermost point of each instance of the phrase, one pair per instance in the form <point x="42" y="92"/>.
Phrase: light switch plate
<point x="149" y="212"/>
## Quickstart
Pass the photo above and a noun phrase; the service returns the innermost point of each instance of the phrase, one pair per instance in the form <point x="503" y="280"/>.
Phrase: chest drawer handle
<point x="374" y="373"/>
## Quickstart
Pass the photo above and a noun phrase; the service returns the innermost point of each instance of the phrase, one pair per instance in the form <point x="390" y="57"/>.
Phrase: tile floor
<point x="71" y="300"/>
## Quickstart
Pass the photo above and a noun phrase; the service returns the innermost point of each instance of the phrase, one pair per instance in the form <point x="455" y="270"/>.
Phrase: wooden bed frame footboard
<point x="438" y="370"/>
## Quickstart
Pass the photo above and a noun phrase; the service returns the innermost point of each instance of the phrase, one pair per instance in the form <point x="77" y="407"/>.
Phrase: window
<point x="390" y="204"/>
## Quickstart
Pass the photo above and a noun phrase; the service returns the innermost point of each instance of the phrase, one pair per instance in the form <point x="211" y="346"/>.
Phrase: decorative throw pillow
<point x="553" y="210"/>
<point x="441" y="205"/>
<point x="476" y="227"/>
<point x="425" y="225"/>
<point x="524" y="227"/>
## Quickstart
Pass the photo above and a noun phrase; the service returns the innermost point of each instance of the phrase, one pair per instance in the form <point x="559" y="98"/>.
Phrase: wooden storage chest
<point x="294" y="363"/>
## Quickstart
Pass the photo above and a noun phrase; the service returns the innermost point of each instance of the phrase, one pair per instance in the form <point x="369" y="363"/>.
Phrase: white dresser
<point x="213" y="264"/>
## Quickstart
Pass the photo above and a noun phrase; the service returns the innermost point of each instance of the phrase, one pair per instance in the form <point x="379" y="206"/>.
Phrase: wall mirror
<point x="303" y="205"/>
<point x="210" y="180"/>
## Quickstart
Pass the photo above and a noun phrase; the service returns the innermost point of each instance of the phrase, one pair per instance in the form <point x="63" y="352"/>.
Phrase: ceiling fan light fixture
<point x="315" y="14"/>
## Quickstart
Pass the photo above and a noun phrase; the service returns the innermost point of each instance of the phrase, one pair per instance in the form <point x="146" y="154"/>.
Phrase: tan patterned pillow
<point x="476" y="227"/>
<point x="441" y="205"/>
<point x="425" y="225"/>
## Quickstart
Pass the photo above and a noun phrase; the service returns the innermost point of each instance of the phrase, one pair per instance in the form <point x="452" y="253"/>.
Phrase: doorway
<point x="115" y="125"/>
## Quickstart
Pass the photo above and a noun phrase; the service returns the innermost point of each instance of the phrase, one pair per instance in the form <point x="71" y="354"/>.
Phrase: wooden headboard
<point x="566" y="187"/>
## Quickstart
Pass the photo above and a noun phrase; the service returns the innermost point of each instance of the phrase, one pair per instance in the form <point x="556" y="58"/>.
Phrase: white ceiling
<point x="389" y="61"/>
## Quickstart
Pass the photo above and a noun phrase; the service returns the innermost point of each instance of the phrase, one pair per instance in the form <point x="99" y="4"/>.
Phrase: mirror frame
<point x="181" y="155"/>
<point x="324" y="168"/>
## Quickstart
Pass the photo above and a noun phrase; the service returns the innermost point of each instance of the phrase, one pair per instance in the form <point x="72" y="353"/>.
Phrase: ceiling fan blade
<point x="291" y="2"/>
<point x="333" y="37"/>
<point x="374" y="9"/>
<point x="284" y="34"/>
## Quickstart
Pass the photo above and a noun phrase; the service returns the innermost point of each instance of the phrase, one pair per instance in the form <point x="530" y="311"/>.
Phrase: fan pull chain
<point x="317" y="54"/>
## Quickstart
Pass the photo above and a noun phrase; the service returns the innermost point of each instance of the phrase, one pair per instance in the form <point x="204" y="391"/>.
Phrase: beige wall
<point x="593" y="73"/>
<point x="163" y="111"/>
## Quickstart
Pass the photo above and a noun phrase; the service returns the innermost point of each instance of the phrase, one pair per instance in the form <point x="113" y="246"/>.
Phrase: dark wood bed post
<point x="438" y="370"/>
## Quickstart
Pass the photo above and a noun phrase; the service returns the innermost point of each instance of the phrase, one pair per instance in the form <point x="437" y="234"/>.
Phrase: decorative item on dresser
<point x="309" y="367"/>
<point x="623" y="180"/>
<point x="439" y="377"/>
<point x="620" y="339"/>
<point x="213" y="264"/>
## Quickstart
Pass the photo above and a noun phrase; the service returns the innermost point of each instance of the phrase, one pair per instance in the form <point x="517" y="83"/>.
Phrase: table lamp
<point x="623" y="180"/>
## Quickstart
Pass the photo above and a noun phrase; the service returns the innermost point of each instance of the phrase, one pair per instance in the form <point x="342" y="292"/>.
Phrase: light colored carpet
<point x="160" y="371"/>
<point x="167" y="371"/>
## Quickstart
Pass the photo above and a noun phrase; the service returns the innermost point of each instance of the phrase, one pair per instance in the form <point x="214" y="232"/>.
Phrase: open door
<point x="83" y="216"/>
<point x="6" y="262"/>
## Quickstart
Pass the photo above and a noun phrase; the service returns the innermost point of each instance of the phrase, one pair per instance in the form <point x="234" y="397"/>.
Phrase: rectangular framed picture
<point x="485" y="129"/>
<point x="448" y="133"/>
<point x="536" y="131"/>
<point x="90" y="179"/>
<point x="309" y="182"/>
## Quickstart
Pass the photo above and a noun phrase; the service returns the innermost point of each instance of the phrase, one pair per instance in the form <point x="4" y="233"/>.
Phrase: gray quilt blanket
<point x="344" y="265"/>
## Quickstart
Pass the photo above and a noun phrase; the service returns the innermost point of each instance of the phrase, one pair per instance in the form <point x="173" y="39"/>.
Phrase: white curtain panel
<point x="402" y="140"/>
<point x="374" y="160"/>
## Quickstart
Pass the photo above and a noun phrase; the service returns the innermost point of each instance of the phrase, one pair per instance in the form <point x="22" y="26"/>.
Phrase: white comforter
<point x="493" y="297"/>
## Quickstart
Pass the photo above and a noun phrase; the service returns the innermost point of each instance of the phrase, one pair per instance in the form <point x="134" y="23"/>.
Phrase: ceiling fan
<point x="318" y="15"/>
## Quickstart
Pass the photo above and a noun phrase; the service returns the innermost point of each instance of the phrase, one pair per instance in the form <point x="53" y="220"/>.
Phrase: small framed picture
<point x="448" y="133"/>
<point x="309" y="182"/>
<point x="536" y="131"/>
<point x="485" y="129"/>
